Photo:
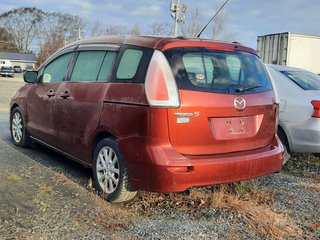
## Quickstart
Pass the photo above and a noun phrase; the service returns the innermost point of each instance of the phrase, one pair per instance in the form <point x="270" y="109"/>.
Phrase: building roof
<point x="26" y="57"/>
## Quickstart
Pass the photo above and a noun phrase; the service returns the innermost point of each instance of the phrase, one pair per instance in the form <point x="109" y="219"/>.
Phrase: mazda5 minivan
<point x="159" y="114"/>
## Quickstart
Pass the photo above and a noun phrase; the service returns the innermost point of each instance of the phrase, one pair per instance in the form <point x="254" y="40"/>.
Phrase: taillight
<point x="160" y="85"/>
<point x="316" y="108"/>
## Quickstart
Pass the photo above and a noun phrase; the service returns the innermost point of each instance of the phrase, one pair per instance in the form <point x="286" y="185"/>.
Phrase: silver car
<point x="298" y="93"/>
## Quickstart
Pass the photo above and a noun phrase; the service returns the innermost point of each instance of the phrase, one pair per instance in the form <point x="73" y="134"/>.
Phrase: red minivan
<point x="152" y="113"/>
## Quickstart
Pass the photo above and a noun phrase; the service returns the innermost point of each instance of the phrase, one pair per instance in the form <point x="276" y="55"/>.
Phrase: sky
<point x="247" y="19"/>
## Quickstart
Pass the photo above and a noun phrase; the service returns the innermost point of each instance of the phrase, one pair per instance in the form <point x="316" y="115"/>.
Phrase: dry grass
<point x="13" y="177"/>
<point x="257" y="212"/>
<point x="255" y="207"/>
<point x="310" y="187"/>
<point x="59" y="178"/>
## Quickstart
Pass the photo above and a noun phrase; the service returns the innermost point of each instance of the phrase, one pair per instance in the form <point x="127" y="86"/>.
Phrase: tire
<point x="19" y="133"/>
<point x="284" y="140"/>
<point x="110" y="174"/>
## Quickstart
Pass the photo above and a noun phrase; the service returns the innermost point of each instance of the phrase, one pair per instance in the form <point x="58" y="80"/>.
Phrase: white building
<point x="17" y="59"/>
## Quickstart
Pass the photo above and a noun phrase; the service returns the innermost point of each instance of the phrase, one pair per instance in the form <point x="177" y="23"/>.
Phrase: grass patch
<point x="257" y="211"/>
<point x="254" y="206"/>
<point x="13" y="177"/>
<point x="310" y="187"/>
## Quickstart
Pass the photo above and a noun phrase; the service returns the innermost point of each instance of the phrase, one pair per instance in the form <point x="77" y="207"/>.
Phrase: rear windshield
<point x="201" y="69"/>
<point x="305" y="80"/>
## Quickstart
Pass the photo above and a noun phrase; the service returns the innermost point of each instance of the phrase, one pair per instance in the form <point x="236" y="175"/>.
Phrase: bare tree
<point x="62" y="25"/>
<point x="96" y="29"/>
<point x="34" y="26"/>
<point x="159" y="29"/>
<point x="194" y="23"/>
<point x="22" y="23"/>
<point x="192" y="26"/>
<point x="6" y="41"/>
<point x="219" y="28"/>
<point x="135" y="30"/>
<point x="116" y="30"/>
<point x="49" y="47"/>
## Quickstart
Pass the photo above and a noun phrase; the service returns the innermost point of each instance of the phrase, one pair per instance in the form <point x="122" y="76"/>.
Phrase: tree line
<point x="24" y="27"/>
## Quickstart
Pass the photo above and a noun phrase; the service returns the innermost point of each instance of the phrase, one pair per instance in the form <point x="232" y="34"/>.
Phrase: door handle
<point x="65" y="94"/>
<point x="50" y="93"/>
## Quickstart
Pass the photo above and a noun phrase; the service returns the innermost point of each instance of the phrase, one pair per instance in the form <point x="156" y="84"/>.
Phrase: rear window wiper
<point x="243" y="89"/>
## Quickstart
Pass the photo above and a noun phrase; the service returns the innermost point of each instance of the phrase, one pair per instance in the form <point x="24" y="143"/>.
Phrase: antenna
<point x="199" y="34"/>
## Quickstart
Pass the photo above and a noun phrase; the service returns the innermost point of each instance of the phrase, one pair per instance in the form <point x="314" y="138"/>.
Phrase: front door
<point x="42" y="98"/>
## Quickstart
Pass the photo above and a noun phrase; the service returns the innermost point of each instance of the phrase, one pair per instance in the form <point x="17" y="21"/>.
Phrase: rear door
<point x="227" y="102"/>
<point x="80" y="100"/>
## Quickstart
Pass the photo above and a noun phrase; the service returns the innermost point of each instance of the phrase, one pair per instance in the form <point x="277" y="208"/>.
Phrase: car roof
<point x="163" y="43"/>
<point x="281" y="68"/>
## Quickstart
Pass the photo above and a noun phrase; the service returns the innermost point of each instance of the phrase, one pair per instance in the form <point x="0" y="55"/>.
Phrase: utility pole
<point x="79" y="31"/>
<point x="175" y="13"/>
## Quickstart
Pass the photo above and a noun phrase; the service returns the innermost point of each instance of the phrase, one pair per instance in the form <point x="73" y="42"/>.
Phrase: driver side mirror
<point x="30" y="76"/>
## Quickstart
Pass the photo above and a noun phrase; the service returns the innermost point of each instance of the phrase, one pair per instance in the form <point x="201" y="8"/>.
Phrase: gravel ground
<point x="45" y="204"/>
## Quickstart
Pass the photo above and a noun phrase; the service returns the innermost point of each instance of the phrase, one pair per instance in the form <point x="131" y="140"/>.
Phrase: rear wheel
<point x="18" y="130"/>
<point x="110" y="174"/>
<point x="284" y="140"/>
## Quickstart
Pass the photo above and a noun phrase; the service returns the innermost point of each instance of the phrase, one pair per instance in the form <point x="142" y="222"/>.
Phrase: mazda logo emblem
<point x="239" y="103"/>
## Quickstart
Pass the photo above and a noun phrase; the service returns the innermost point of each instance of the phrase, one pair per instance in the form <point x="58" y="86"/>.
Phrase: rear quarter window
<point x="202" y="69"/>
<point x="129" y="63"/>
<point x="132" y="64"/>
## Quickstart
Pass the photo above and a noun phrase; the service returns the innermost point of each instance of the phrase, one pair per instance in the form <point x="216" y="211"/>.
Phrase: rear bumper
<point x="165" y="170"/>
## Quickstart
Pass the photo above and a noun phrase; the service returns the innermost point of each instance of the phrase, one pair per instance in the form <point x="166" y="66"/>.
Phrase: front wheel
<point x="18" y="130"/>
<point x="110" y="174"/>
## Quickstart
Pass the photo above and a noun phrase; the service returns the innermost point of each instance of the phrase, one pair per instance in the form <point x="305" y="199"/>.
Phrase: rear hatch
<point x="226" y="102"/>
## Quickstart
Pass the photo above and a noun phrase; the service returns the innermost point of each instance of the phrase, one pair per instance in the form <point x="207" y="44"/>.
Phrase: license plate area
<point x="235" y="127"/>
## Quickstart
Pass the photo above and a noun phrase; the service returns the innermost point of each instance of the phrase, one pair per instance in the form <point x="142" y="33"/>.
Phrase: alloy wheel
<point x="108" y="170"/>
<point x="17" y="127"/>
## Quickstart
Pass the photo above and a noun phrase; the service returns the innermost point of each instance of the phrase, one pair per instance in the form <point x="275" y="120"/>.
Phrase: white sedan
<point x="298" y="92"/>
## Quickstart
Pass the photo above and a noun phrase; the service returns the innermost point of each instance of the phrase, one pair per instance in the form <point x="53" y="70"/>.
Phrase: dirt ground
<point x="7" y="88"/>
<point x="39" y="201"/>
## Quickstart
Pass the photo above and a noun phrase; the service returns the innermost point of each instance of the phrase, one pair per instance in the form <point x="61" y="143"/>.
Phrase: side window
<point x="56" y="70"/>
<point x="87" y="66"/>
<point x="106" y="66"/>
<point x="129" y="64"/>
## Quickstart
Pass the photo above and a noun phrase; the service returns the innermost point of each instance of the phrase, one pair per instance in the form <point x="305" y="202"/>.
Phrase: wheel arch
<point x="15" y="105"/>
<point x="282" y="130"/>
<point x="97" y="138"/>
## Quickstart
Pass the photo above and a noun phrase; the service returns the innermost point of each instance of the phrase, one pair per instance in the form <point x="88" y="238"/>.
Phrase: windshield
<point x="202" y="69"/>
<point x="305" y="80"/>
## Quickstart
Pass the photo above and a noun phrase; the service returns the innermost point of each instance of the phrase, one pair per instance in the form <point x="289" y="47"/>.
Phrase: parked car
<point x="160" y="114"/>
<point x="28" y="68"/>
<point x="299" y="122"/>
<point x="17" y="69"/>
<point x="6" y="71"/>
